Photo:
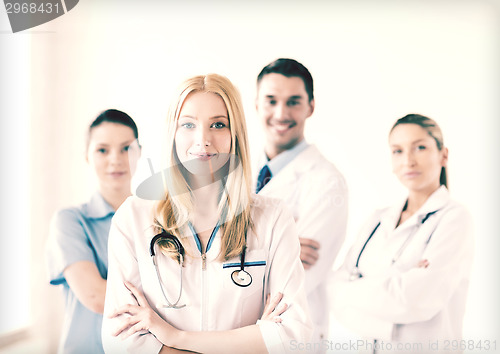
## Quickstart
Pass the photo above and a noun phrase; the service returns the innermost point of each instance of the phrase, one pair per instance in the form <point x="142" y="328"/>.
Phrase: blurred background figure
<point x="77" y="249"/>
<point x="297" y="172"/>
<point x="405" y="280"/>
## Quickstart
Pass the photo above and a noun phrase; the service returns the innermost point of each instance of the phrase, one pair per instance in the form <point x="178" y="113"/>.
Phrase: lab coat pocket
<point x="246" y="288"/>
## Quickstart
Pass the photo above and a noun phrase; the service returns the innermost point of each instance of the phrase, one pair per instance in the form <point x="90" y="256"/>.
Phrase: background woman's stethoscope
<point x="356" y="274"/>
<point x="239" y="277"/>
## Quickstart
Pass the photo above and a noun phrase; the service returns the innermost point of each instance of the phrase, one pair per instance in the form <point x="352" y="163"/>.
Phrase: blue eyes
<point x="216" y="125"/>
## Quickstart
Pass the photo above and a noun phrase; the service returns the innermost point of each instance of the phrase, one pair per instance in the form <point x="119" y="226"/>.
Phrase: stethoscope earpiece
<point x="239" y="277"/>
<point x="180" y="250"/>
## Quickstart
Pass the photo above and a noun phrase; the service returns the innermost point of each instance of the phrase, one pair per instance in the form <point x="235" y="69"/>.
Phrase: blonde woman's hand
<point x="142" y="318"/>
<point x="274" y="308"/>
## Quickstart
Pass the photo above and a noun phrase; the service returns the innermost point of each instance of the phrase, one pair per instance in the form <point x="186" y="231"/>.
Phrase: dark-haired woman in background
<point x="77" y="250"/>
<point x="404" y="282"/>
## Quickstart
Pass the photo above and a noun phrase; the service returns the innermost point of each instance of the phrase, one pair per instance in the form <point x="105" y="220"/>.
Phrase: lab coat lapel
<point x="390" y="217"/>
<point x="289" y="175"/>
<point x="436" y="201"/>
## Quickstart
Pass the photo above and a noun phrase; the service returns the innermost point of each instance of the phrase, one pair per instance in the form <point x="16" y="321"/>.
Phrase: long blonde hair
<point x="173" y="213"/>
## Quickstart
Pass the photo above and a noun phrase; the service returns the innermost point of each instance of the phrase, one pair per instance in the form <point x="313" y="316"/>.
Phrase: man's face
<point x="283" y="107"/>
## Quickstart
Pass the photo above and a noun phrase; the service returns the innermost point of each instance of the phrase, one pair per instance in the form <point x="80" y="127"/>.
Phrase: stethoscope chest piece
<point x="241" y="278"/>
<point x="355" y="274"/>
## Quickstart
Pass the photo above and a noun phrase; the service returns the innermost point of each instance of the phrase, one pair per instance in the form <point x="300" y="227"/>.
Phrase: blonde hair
<point x="173" y="213"/>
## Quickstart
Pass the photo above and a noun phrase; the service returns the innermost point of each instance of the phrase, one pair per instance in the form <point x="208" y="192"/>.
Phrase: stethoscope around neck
<point x="180" y="250"/>
<point x="239" y="277"/>
<point x="356" y="273"/>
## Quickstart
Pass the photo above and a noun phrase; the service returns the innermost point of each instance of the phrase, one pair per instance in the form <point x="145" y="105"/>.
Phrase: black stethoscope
<point x="239" y="277"/>
<point x="180" y="250"/>
<point x="356" y="274"/>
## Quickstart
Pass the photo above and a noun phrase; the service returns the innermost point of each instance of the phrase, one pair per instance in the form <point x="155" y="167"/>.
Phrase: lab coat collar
<point x="436" y="201"/>
<point x="196" y="238"/>
<point x="284" y="158"/>
<point x="98" y="208"/>
<point x="303" y="162"/>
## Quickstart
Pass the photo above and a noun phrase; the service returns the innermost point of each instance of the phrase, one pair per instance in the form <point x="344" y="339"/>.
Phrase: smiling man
<point x="295" y="171"/>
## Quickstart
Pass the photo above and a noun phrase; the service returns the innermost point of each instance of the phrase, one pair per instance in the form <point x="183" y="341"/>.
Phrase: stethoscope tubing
<point x="180" y="250"/>
<point x="366" y="242"/>
<point x="239" y="277"/>
<point x="357" y="274"/>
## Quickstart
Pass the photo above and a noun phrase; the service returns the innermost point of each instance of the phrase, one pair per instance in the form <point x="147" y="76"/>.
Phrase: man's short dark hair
<point x="289" y="68"/>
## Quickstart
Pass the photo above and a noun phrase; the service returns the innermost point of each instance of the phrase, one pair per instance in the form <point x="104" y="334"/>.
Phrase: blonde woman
<point x="404" y="282"/>
<point x="192" y="271"/>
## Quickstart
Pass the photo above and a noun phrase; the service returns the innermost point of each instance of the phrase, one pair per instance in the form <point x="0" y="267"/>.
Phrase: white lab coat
<point x="213" y="301"/>
<point x="401" y="303"/>
<point x="317" y="194"/>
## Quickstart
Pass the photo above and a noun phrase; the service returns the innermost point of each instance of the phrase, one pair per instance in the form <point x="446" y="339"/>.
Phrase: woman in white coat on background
<point x="404" y="282"/>
<point x="220" y="249"/>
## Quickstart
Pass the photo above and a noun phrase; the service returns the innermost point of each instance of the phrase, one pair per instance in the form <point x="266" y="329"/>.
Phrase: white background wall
<point x="372" y="63"/>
